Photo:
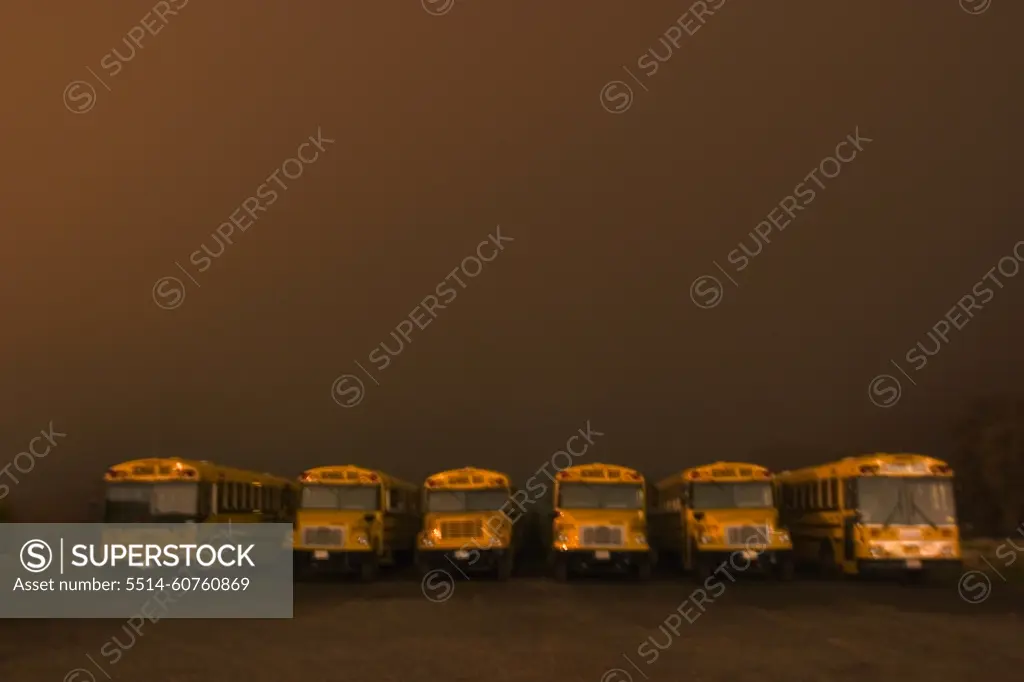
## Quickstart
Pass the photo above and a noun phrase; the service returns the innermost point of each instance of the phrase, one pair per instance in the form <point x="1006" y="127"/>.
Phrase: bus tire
<point x="504" y="569"/>
<point x="786" y="570"/>
<point x="301" y="570"/>
<point x="702" y="567"/>
<point x="561" y="569"/>
<point x="830" y="568"/>
<point x="369" y="569"/>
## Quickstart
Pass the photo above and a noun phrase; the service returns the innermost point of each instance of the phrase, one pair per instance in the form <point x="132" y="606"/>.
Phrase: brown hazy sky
<point x="447" y="126"/>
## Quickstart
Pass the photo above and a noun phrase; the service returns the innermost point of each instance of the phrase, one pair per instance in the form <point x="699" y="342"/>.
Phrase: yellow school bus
<point x="171" y="490"/>
<point x="703" y="516"/>
<point x="174" y="490"/>
<point x="878" y="512"/>
<point x="599" y="521"/>
<point x="351" y="519"/>
<point x="467" y="523"/>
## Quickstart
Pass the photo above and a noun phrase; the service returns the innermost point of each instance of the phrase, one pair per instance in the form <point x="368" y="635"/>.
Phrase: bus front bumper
<point x="889" y="566"/>
<point x="584" y="560"/>
<point x="465" y="560"/>
<point x="741" y="559"/>
<point x="331" y="560"/>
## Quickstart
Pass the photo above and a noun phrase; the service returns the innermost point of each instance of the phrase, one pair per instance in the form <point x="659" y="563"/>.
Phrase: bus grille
<point x="746" y="535"/>
<point x="461" y="529"/>
<point x="323" y="536"/>
<point x="602" y="535"/>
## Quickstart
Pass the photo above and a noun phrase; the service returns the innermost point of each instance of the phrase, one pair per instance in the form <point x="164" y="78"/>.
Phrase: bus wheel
<point x="785" y="570"/>
<point x="302" y="571"/>
<point x="561" y="569"/>
<point x="702" y="566"/>
<point x="827" y="561"/>
<point x="504" y="570"/>
<point x="369" y="569"/>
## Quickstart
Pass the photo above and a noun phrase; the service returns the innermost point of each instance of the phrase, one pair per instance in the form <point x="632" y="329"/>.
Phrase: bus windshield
<point x="906" y="501"/>
<point x="732" y="495"/>
<point x="341" y="497"/>
<point x="600" y="496"/>
<point x="141" y="502"/>
<point x="491" y="499"/>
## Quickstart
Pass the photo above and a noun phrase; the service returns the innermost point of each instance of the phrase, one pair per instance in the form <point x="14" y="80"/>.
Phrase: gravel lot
<point x="535" y="629"/>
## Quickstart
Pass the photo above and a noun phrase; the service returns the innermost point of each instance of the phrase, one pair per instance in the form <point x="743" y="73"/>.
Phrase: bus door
<point x="849" y="537"/>
<point x="850" y="520"/>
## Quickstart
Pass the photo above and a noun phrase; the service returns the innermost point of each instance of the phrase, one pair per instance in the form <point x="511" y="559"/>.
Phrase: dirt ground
<point x="533" y="629"/>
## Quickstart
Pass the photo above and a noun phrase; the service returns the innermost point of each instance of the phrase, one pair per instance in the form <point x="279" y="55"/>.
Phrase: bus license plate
<point x="602" y="554"/>
<point x="320" y="554"/>
<point x="913" y="563"/>
<point x="461" y="554"/>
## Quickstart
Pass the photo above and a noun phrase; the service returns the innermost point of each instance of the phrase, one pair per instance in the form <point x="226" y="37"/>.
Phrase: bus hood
<point x="718" y="521"/>
<point x="604" y="517"/>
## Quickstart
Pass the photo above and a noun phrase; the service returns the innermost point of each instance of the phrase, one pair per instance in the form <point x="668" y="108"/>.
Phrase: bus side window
<point x="205" y="493"/>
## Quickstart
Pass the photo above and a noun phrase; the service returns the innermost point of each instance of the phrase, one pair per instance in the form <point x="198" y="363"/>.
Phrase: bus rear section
<point x="163" y="500"/>
<point x="352" y="520"/>
<point x="599" y="522"/>
<point x="466" y="529"/>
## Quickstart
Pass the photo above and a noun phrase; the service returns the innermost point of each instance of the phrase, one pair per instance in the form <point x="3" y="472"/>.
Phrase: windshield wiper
<point x="888" y="519"/>
<point x="924" y="516"/>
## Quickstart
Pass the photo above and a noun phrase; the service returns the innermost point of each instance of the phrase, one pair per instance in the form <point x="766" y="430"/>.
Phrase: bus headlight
<point x="947" y="551"/>
<point x="782" y="536"/>
<point x="877" y="551"/>
<point x="706" y="539"/>
<point x="426" y="542"/>
<point x="562" y="538"/>
<point x="362" y="539"/>
<point x="640" y="539"/>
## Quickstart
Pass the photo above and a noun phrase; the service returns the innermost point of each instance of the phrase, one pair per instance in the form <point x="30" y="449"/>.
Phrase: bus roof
<point x="177" y="468"/>
<point x="467" y="477"/>
<point x="350" y="474"/>
<point x="728" y="471"/>
<point x="599" y="472"/>
<point x="881" y="463"/>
